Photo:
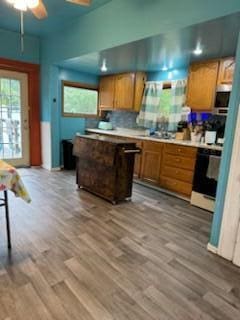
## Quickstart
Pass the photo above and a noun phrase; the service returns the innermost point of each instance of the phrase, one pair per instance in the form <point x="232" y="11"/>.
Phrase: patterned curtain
<point x="179" y="96"/>
<point x="150" y="111"/>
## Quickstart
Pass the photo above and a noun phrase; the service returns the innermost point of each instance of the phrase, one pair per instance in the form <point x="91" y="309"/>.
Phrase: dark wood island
<point x="105" y="166"/>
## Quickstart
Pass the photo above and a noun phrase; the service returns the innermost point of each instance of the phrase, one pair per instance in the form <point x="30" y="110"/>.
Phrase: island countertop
<point x="139" y="134"/>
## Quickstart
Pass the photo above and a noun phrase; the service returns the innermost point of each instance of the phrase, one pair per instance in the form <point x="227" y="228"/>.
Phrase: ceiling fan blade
<point x="81" y="2"/>
<point x="40" y="11"/>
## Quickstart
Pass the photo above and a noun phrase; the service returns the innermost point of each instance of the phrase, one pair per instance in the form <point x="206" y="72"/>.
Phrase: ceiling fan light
<point x="32" y="3"/>
<point x="20" y="5"/>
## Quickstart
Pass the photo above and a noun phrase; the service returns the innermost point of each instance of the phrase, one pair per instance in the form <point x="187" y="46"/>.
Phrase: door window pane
<point x="10" y="119"/>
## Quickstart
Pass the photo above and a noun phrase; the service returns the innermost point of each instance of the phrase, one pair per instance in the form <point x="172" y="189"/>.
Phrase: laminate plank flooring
<point x="75" y="256"/>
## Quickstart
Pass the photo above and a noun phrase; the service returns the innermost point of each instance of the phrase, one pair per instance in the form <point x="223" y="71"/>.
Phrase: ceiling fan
<point x="38" y="8"/>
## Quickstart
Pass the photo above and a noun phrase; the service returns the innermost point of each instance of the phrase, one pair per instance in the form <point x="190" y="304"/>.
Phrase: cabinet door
<point x="124" y="91"/>
<point x="151" y="161"/>
<point x="106" y="93"/>
<point x="140" y="81"/>
<point x="202" y="83"/>
<point x="226" y="71"/>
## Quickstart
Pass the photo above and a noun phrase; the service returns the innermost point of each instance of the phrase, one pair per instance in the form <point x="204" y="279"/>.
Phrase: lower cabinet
<point x="151" y="161"/>
<point x="138" y="160"/>
<point x="177" y="170"/>
<point x="138" y="157"/>
<point x="169" y="166"/>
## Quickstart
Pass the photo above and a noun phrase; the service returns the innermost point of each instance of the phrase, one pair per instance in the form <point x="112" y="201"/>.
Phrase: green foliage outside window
<point x="166" y="102"/>
<point x="79" y="101"/>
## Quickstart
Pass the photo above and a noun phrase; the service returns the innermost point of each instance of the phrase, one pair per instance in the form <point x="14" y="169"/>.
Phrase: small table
<point x="10" y="180"/>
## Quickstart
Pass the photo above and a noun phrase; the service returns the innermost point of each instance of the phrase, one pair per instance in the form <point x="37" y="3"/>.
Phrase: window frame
<point x="80" y="86"/>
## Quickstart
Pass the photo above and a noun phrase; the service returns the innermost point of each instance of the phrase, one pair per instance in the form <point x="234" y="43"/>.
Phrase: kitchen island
<point x="105" y="166"/>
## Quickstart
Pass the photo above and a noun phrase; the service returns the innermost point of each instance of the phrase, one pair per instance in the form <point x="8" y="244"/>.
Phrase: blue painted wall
<point x="64" y="127"/>
<point x="175" y="74"/>
<point x="227" y="152"/>
<point x="10" y="47"/>
<point x="69" y="126"/>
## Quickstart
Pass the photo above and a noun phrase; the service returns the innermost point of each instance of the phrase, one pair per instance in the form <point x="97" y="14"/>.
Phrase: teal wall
<point x="10" y="47"/>
<point x="175" y="74"/>
<point x="227" y="153"/>
<point x="64" y="127"/>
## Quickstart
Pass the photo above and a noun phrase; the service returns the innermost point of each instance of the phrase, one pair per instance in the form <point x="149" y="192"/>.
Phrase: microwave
<point x="222" y="99"/>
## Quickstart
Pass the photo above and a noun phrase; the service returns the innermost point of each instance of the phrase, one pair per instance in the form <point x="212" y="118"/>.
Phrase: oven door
<point x="201" y="183"/>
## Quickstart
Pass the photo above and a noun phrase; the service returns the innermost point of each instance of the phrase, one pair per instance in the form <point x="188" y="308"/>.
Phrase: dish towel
<point x="213" y="167"/>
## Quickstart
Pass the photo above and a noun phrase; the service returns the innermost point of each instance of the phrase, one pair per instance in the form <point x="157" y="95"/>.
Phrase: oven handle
<point x="209" y="197"/>
<point x="132" y="151"/>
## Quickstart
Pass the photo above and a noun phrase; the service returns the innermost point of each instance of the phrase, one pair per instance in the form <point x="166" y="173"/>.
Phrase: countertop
<point x="140" y="134"/>
<point x="109" y="139"/>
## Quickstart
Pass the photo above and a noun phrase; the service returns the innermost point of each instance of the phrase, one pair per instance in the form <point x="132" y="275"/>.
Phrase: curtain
<point x="179" y="96"/>
<point x="150" y="111"/>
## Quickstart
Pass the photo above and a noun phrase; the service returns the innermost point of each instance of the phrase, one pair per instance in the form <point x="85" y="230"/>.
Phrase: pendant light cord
<point x="22" y="31"/>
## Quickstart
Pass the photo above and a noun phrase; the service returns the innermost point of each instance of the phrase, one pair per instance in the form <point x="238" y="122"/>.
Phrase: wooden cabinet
<point x="151" y="161"/>
<point x="106" y="92"/>
<point x="226" y="71"/>
<point x="122" y="91"/>
<point x="202" y="81"/>
<point x="140" y="80"/>
<point x="177" y="169"/>
<point x="138" y="157"/>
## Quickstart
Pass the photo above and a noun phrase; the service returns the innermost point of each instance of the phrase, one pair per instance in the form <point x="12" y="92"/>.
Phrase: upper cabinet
<point x="226" y="71"/>
<point x="106" y="92"/>
<point x="202" y="81"/>
<point x="122" y="91"/>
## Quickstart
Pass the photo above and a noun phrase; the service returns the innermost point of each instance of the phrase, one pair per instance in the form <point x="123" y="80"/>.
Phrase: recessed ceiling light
<point x="164" y="68"/>
<point x="198" y="51"/>
<point x="104" y="66"/>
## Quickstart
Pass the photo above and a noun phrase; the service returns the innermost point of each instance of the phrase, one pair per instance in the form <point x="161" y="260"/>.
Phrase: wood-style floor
<point x="76" y="257"/>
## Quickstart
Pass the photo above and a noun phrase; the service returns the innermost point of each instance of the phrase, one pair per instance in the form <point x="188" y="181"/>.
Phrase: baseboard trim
<point x="212" y="248"/>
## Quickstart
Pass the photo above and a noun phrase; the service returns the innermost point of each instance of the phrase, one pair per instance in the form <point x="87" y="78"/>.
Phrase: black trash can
<point x="69" y="161"/>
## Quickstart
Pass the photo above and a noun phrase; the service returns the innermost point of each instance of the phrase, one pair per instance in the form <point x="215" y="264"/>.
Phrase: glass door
<point x="14" y="124"/>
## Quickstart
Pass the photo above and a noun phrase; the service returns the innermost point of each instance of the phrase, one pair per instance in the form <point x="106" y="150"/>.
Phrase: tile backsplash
<point x="121" y="119"/>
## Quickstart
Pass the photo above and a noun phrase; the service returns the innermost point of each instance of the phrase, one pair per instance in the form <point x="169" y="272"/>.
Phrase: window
<point x="79" y="100"/>
<point x="166" y="100"/>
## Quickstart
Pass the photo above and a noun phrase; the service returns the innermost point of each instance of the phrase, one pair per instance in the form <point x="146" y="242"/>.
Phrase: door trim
<point x="33" y="72"/>
<point x="230" y="230"/>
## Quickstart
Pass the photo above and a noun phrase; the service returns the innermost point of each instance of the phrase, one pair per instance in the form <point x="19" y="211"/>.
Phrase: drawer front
<point x="179" y="162"/>
<point x="181" y="187"/>
<point x="177" y="173"/>
<point x="152" y="146"/>
<point x="182" y="151"/>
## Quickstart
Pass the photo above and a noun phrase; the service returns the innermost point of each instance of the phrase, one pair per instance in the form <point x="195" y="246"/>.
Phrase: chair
<point x="4" y="203"/>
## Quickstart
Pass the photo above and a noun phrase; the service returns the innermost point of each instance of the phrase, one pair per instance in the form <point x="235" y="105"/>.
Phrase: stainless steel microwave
<point x="222" y="99"/>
